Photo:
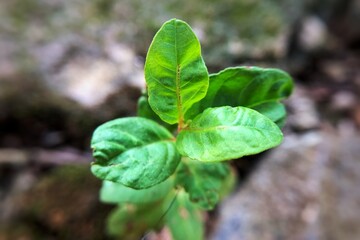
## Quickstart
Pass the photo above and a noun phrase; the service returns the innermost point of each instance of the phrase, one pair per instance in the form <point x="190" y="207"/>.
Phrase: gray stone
<point x="82" y="72"/>
<point x="305" y="189"/>
<point x="304" y="115"/>
<point x="343" y="100"/>
<point x="13" y="156"/>
<point x="314" y="34"/>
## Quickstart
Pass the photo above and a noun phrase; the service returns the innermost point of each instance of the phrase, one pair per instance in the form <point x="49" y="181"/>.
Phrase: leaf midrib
<point x="177" y="81"/>
<point x="222" y="127"/>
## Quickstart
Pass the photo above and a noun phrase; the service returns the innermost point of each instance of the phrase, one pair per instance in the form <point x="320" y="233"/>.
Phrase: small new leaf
<point x="133" y="151"/>
<point x="226" y="133"/>
<point x="175" y="72"/>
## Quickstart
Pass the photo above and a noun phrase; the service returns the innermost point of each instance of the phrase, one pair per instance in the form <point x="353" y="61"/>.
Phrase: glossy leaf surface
<point x="244" y="86"/>
<point x="226" y="133"/>
<point x="134" y="151"/>
<point x="111" y="192"/>
<point x="175" y="72"/>
<point x="202" y="181"/>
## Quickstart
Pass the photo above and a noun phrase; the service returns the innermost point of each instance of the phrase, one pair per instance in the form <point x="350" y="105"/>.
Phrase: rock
<point x="80" y="71"/>
<point x="343" y="100"/>
<point x="70" y="52"/>
<point x="13" y="156"/>
<point x="304" y="115"/>
<point x="313" y="35"/>
<point x="8" y="67"/>
<point x="229" y="31"/>
<point x="336" y="70"/>
<point x="305" y="189"/>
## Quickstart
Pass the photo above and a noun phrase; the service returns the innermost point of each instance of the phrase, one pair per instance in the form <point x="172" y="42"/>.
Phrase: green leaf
<point x="117" y="193"/>
<point x="132" y="221"/>
<point x="203" y="181"/>
<point x="244" y="86"/>
<point x="274" y="110"/>
<point x="175" y="72"/>
<point x="228" y="184"/>
<point x="144" y="110"/>
<point x="133" y="151"/>
<point x="184" y="219"/>
<point x="226" y="133"/>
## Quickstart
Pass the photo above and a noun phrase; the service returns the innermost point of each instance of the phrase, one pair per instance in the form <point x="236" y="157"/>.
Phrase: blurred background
<point x="68" y="66"/>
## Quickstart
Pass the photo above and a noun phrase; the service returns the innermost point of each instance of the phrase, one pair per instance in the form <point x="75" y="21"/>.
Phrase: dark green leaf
<point x="244" y="86"/>
<point x="144" y="110"/>
<point x="117" y="193"/>
<point x="203" y="181"/>
<point x="175" y="72"/>
<point x="228" y="184"/>
<point x="134" y="151"/>
<point x="226" y="133"/>
<point x="184" y="219"/>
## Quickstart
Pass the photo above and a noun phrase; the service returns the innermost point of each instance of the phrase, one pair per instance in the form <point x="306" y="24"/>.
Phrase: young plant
<point x="164" y="167"/>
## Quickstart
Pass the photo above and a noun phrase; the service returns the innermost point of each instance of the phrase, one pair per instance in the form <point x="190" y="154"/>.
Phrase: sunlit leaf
<point x="175" y="72"/>
<point x="133" y="151"/>
<point x="226" y="133"/>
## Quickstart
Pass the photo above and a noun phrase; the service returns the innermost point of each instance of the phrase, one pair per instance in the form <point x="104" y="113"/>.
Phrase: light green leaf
<point x="274" y="110"/>
<point x="175" y="72"/>
<point x="132" y="221"/>
<point x="203" y="181"/>
<point x="244" y="86"/>
<point x="226" y="133"/>
<point x="133" y="151"/>
<point x="111" y="192"/>
<point x="184" y="219"/>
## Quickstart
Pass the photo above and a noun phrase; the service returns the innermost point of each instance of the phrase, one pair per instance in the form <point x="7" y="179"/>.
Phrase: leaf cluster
<point x="189" y="123"/>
